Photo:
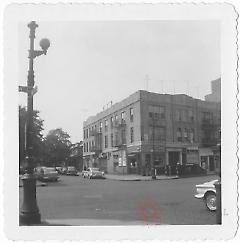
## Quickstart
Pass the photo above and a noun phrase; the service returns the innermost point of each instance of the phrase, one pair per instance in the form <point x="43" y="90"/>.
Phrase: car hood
<point x="207" y="184"/>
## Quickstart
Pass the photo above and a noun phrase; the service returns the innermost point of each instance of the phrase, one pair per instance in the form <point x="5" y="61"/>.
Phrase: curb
<point x="139" y="179"/>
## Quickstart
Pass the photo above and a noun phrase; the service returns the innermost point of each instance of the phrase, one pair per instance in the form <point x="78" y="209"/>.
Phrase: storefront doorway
<point x="173" y="158"/>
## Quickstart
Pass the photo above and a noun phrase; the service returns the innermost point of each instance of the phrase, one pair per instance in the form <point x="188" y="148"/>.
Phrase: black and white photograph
<point x="122" y="118"/>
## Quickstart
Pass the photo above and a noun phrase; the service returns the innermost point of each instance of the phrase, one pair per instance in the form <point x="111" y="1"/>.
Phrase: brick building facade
<point x="150" y="128"/>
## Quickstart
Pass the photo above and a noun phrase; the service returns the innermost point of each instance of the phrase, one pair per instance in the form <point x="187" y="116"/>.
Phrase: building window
<point x="183" y="116"/>
<point x="185" y="134"/>
<point x="131" y="114"/>
<point x="179" y="134"/>
<point x="191" y="135"/>
<point x="111" y="140"/>
<point x="123" y="136"/>
<point x="106" y="124"/>
<point x="92" y="130"/>
<point x="90" y="146"/>
<point x="178" y="115"/>
<point x="87" y="133"/>
<point x="84" y="134"/>
<point x="162" y="112"/>
<point x="123" y="114"/>
<point x="105" y="141"/>
<point x="190" y="115"/>
<point x="111" y="122"/>
<point x="207" y="117"/>
<point x="116" y="139"/>
<point x="95" y="128"/>
<point x="100" y="128"/>
<point x="157" y="133"/>
<point x="156" y="112"/>
<point x="131" y="135"/>
<point x="84" y="147"/>
<point x="87" y="147"/>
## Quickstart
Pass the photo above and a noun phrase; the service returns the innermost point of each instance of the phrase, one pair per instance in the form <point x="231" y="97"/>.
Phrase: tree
<point x="37" y="134"/>
<point x="58" y="145"/>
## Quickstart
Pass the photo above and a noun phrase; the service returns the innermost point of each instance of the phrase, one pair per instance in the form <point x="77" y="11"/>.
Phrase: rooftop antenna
<point x="162" y="85"/>
<point x="147" y="79"/>
<point x="197" y="91"/>
<point x="187" y="87"/>
<point x="173" y="87"/>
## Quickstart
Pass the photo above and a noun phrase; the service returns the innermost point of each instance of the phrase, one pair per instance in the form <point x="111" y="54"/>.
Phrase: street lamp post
<point x="29" y="213"/>
<point x="153" y="150"/>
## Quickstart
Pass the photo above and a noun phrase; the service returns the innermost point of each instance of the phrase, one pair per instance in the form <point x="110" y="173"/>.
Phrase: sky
<point x="92" y="63"/>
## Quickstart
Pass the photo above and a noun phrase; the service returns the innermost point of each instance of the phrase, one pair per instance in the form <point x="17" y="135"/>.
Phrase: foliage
<point x="57" y="144"/>
<point x="37" y="134"/>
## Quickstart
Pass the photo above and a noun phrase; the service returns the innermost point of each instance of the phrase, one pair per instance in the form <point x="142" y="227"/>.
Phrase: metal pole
<point x="219" y="203"/>
<point x="153" y="152"/>
<point x="29" y="213"/>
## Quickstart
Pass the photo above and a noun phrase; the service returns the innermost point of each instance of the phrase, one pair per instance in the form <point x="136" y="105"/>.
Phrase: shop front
<point x="210" y="159"/>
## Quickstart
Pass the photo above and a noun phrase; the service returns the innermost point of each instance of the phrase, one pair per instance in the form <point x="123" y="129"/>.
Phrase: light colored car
<point x="207" y="192"/>
<point x="93" y="173"/>
<point x="47" y="174"/>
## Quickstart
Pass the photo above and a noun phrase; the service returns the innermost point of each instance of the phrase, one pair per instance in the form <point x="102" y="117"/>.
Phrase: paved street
<point x="125" y="202"/>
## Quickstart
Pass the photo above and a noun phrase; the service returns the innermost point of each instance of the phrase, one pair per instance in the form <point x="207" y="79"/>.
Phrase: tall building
<point x="215" y="96"/>
<point x="148" y="129"/>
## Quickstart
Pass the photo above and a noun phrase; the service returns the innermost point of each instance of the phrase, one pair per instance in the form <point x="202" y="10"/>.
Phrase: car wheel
<point x="211" y="201"/>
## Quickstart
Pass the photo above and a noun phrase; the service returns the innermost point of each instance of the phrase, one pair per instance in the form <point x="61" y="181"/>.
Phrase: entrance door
<point x="173" y="158"/>
<point x="211" y="163"/>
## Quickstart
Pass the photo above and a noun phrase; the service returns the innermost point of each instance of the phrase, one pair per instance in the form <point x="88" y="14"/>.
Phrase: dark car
<point x="46" y="174"/>
<point x="71" y="170"/>
<point x="193" y="169"/>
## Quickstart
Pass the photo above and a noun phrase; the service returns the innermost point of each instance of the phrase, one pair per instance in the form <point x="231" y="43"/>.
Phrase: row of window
<point x="185" y="135"/>
<point x="158" y="112"/>
<point x="88" y="146"/>
<point x="114" y="120"/>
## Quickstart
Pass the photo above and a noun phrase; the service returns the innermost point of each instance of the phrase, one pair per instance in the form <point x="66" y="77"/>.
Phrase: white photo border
<point x="223" y="12"/>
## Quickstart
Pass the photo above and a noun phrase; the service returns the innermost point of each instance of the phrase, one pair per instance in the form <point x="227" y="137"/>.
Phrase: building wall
<point x="215" y="96"/>
<point x="181" y="112"/>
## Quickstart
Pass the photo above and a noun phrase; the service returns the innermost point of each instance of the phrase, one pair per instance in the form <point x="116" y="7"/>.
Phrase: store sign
<point x="192" y="148"/>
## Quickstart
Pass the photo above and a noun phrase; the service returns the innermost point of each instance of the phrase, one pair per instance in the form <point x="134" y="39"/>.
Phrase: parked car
<point x="46" y="174"/>
<point x="93" y="173"/>
<point x="83" y="173"/>
<point x="59" y="169"/>
<point x="71" y="170"/>
<point x="192" y="169"/>
<point x="207" y="192"/>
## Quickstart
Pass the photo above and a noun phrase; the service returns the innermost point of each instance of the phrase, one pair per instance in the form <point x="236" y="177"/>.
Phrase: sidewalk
<point x="90" y="222"/>
<point x="137" y="177"/>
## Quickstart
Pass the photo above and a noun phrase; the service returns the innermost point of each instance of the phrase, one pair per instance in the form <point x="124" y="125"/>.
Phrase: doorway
<point x="173" y="159"/>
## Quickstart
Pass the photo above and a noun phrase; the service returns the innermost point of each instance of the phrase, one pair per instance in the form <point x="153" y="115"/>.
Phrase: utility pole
<point x="153" y="149"/>
<point x="29" y="213"/>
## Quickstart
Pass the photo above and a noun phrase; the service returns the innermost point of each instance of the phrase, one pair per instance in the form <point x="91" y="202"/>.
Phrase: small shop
<point x="208" y="159"/>
<point x="192" y="155"/>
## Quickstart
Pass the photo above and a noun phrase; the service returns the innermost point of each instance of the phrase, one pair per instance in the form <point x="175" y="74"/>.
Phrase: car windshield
<point x="49" y="170"/>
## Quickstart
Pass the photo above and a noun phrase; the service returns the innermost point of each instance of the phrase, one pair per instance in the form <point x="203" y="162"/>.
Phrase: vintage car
<point x="207" y="192"/>
<point x="93" y="173"/>
<point x="71" y="170"/>
<point x="46" y="174"/>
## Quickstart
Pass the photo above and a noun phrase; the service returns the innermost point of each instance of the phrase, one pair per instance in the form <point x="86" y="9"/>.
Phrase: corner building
<point x="150" y="129"/>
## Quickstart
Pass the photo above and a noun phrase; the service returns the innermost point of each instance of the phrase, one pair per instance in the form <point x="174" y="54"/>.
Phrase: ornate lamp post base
<point x="29" y="213"/>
